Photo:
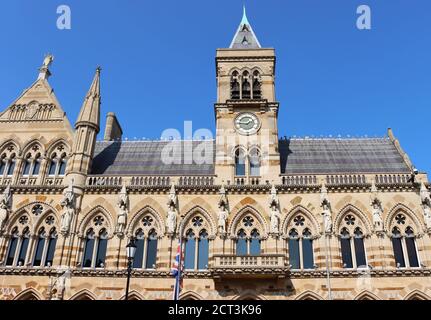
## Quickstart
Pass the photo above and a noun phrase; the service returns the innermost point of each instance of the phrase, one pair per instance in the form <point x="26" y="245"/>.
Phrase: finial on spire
<point x="244" y="16"/>
<point x="44" y="72"/>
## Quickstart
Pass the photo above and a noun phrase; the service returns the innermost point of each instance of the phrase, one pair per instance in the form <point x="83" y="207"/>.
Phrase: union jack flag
<point x="177" y="271"/>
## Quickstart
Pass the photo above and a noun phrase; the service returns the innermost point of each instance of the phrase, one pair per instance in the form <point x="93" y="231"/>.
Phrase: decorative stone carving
<point x="326" y="210"/>
<point x="171" y="221"/>
<point x="426" y="205"/>
<point x="59" y="286"/>
<point x="5" y="206"/>
<point x="68" y="204"/>
<point x="223" y="211"/>
<point x="123" y="205"/>
<point x="376" y="209"/>
<point x="274" y="204"/>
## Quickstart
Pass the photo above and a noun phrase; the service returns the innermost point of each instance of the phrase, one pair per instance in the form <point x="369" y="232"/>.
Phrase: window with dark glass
<point x="151" y="250"/>
<point x="11" y="168"/>
<point x="24" y="246"/>
<point x="88" y="249"/>
<point x="139" y="254"/>
<point x="254" y="162"/>
<point x="52" y="242"/>
<point x="241" y="243"/>
<point x="256" y="86"/>
<point x="358" y="240"/>
<point x="13" y="243"/>
<point x="398" y="248"/>
<point x="307" y="250"/>
<point x="239" y="162"/>
<point x="190" y="250"/>
<point x="255" y="243"/>
<point x="203" y="250"/>
<point x="294" y="259"/>
<point x="346" y="250"/>
<point x="101" y="249"/>
<point x="411" y="248"/>
<point x="40" y="244"/>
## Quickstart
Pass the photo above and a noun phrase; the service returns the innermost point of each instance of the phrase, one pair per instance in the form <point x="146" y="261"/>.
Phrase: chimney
<point x="113" y="129"/>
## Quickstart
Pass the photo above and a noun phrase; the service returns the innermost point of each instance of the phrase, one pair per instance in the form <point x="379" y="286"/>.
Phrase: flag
<point x="177" y="271"/>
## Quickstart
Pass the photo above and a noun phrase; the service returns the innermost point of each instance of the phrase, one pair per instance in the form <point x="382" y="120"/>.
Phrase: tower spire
<point x="244" y="37"/>
<point x="90" y="110"/>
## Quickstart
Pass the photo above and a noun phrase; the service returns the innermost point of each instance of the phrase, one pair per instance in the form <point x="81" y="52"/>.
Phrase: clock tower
<point x="246" y="111"/>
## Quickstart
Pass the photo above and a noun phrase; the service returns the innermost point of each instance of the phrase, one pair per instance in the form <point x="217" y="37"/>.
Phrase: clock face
<point x="247" y="123"/>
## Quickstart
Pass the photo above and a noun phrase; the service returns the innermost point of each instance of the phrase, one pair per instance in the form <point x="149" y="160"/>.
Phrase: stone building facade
<point x="259" y="217"/>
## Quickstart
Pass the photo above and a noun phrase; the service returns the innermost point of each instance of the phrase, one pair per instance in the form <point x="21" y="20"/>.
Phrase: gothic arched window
<point x="352" y="244"/>
<point x="32" y="162"/>
<point x="19" y="243"/>
<point x="300" y="244"/>
<point x="45" y="247"/>
<point x="196" y="251"/>
<point x="8" y="160"/>
<point x="246" y="87"/>
<point x="257" y="94"/>
<point x="234" y="86"/>
<point x="58" y="161"/>
<point x="95" y="244"/>
<point x="404" y="245"/>
<point x="248" y="240"/>
<point x="240" y="162"/>
<point x="254" y="157"/>
<point x="146" y="249"/>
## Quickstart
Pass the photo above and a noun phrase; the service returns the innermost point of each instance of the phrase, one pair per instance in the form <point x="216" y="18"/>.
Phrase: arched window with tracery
<point x="45" y="243"/>
<point x="146" y="243"/>
<point x="352" y="245"/>
<point x="300" y="243"/>
<point x="248" y="237"/>
<point x="196" y="247"/>
<point x="58" y="161"/>
<point x="19" y="240"/>
<point x="246" y="86"/>
<point x="32" y="162"/>
<point x="8" y="160"/>
<point x="257" y="93"/>
<point x="240" y="160"/>
<point x="95" y="244"/>
<point x="404" y="242"/>
<point x="235" y="86"/>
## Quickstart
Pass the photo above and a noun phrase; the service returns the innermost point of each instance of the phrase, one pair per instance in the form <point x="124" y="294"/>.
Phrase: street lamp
<point x="130" y="250"/>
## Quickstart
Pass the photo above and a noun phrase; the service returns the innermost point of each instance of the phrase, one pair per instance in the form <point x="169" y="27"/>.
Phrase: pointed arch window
<point x="190" y="250"/>
<point x="58" y="162"/>
<point x="404" y="247"/>
<point x="45" y="248"/>
<point x="240" y="162"/>
<point x="300" y="243"/>
<point x="196" y="244"/>
<point x="248" y="240"/>
<point x="95" y="245"/>
<point x="18" y="245"/>
<point x="246" y="87"/>
<point x="353" y="248"/>
<point x="13" y="245"/>
<point x="254" y="162"/>
<point x="257" y="94"/>
<point x="146" y="249"/>
<point x="234" y="86"/>
<point x="32" y="164"/>
<point x="8" y="160"/>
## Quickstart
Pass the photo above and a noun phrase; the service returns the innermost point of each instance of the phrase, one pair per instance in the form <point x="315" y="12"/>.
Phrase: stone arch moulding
<point x="83" y="223"/>
<point x="355" y="210"/>
<point x="417" y="295"/>
<point x="366" y="295"/>
<point x="197" y="209"/>
<point x="299" y="209"/>
<point x="248" y="209"/>
<point x="401" y="207"/>
<point x="27" y="294"/>
<point x="190" y="295"/>
<point x="248" y="295"/>
<point x="84" y="294"/>
<point x="135" y="218"/>
<point x="309" y="295"/>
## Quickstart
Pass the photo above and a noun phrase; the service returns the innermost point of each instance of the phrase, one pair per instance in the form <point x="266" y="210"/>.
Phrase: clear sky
<point x="158" y="62"/>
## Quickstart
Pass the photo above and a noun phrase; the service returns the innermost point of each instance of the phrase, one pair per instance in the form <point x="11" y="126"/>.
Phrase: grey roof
<point x="145" y="158"/>
<point x="244" y="37"/>
<point x="298" y="156"/>
<point x="331" y="156"/>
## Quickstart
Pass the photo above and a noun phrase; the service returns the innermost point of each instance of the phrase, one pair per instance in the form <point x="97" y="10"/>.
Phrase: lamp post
<point x="130" y="250"/>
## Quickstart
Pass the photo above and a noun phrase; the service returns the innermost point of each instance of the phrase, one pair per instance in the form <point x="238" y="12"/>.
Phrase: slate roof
<point x="298" y="156"/>
<point x="330" y="156"/>
<point x="145" y="158"/>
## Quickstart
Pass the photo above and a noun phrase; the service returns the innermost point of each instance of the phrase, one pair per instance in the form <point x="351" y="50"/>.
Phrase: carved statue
<point x="327" y="219"/>
<point x="377" y="215"/>
<point x="273" y="198"/>
<point x="171" y="221"/>
<point x="68" y="204"/>
<point x="223" y="212"/>
<point x="326" y="209"/>
<point x="5" y="205"/>
<point x="426" y="204"/>
<point x="275" y="219"/>
<point x="123" y="204"/>
<point x="48" y="60"/>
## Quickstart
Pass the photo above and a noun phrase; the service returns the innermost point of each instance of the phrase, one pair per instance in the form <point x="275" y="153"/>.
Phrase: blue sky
<point x="158" y="62"/>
